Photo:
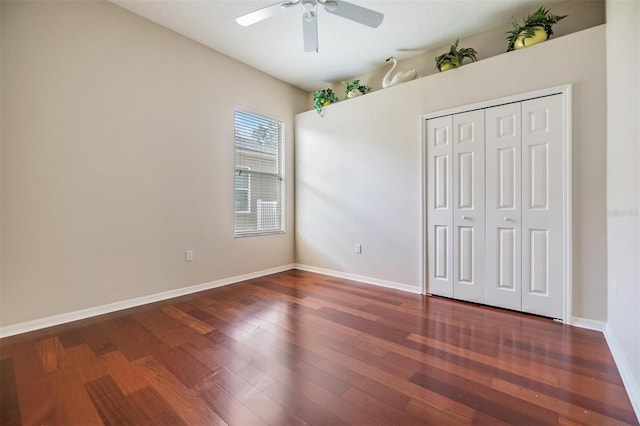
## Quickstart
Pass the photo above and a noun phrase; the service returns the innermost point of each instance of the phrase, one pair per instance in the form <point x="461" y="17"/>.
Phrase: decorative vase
<point x="452" y="63"/>
<point x="539" y="35"/>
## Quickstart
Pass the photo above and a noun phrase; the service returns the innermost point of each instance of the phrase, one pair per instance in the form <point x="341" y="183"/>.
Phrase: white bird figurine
<point x="400" y="77"/>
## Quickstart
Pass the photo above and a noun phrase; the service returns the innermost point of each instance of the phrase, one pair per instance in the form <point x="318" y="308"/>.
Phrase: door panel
<point x="538" y="262"/>
<point x="506" y="258"/>
<point x="441" y="182"/>
<point x="465" y="255"/>
<point x="503" y="207"/>
<point x="439" y="152"/>
<point x="441" y="249"/>
<point x="507" y="178"/>
<point x="539" y="176"/>
<point x="542" y="215"/>
<point x="468" y="210"/>
<point x="465" y="180"/>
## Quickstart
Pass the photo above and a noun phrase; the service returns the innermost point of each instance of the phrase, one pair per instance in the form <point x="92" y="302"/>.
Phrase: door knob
<point x="466" y="217"/>
<point x="506" y="219"/>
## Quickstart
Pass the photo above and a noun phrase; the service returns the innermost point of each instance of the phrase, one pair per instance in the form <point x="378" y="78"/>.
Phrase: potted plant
<point x="322" y="98"/>
<point x="354" y="88"/>
<point x="536" y="28"/>
<point x="454" y="57"/>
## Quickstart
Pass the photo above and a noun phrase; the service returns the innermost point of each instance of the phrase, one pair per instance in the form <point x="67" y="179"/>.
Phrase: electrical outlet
<point x="188" y="255"/>
<point x="358" y="248"/>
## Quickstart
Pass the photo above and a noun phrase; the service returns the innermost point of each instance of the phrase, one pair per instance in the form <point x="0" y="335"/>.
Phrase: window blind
<point x="259" y="184"/>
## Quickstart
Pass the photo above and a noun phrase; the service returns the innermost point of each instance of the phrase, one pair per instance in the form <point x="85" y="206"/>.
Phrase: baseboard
<point x="624" y="368"/>
<point x="58" y="319"/>
<point x="588" y="323"/>
<point x="361" y="278"/>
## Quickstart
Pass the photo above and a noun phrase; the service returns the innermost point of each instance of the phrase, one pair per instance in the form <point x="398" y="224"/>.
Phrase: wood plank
<point x="186" y="403"/>
<point x="431" y="414"/>
<point x="188" y="320"/>
<point x="220" y="356"/>
<point x="295" y="359"/>
<point x="9" y="407"/>
<point x="383" y="376"/>
<point x="496" y="404"/>
<point x="379" y="408"/>
<point x="177" y="337"/>
<point x="374" y="388"/>
<point x="305" y="385"/>
<point x="74" y="406"/>
<point x="70" y="338"/>
<point x="157" y="321"/>
<point x="97" y="336"/>
<point x="123" y="373"/>
<point x="52" y="354"/>
<point x="34" y="390"/>
<point x="511" y="363"/>
<point x="568" y="412"/>
<point x="303" y="407"/>
<point x="88" y="366"/>
<point x="125" y="339"/>
<point x="251" y="397"/>
<point x="114" y="408"/>
<point x="226" y="406"/>
<point x="179" y="362"/>
<point x="153" y="406"/>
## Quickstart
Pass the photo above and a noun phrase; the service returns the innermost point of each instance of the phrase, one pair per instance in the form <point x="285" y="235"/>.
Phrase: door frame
<point x="567" y="237"/>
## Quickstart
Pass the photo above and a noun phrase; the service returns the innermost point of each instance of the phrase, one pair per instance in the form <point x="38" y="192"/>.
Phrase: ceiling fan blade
<point x="310" y="31"/>
<point x="356" y="13"/>
<point x="264" y="13"/>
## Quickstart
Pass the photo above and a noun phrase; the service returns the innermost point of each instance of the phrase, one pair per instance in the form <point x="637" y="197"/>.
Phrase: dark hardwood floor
<point x="301" y="348"/>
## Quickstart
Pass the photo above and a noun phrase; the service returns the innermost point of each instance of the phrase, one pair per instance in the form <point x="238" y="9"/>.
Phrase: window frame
<point x="242" y="145"/>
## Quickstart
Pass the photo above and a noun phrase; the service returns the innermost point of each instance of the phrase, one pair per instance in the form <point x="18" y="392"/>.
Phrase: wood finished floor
<point x="300" y="348"/>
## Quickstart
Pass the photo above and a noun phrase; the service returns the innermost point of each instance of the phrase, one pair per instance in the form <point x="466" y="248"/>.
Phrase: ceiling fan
<point x="345" y="9"/>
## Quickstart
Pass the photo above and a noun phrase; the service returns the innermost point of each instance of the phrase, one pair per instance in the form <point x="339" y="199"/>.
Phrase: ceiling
<point x="346" y="48"/>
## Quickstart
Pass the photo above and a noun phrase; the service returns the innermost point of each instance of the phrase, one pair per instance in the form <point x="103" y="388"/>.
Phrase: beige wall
<point x="358" y="169"/>
<point x="623" y="183"/>
<point x="581" y="15"/>
<point x="117" y="155"/>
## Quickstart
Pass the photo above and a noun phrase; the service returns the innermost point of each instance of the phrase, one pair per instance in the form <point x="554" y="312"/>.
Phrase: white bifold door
<point x="455" y="201"/>
<point x="495" y="211"/>
<point x="439" y="205"/>
<point x="543" y="206"/>
<point x="468" y="206"/>
<point x="503" y="207"/>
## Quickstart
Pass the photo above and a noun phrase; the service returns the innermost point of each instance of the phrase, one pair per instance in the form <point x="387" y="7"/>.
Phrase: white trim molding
<point x="361" y="278"/>
<point x="588" y="324"/>
<point x="63" y="318"/>
<point x="624" y="368"/>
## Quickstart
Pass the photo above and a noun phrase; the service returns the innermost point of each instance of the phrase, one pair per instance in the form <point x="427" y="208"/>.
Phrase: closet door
<point x="542" y="210"/>
<point x="503" y="206"/>
<point x="468" y="206"/>
<point x="440" y="206"/>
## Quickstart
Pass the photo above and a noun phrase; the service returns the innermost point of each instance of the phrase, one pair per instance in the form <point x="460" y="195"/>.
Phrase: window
<point x="259" y="175"/>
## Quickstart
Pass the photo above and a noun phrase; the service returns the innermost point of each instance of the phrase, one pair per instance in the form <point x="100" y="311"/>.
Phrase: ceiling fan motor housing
<point x="309" y="6"/>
